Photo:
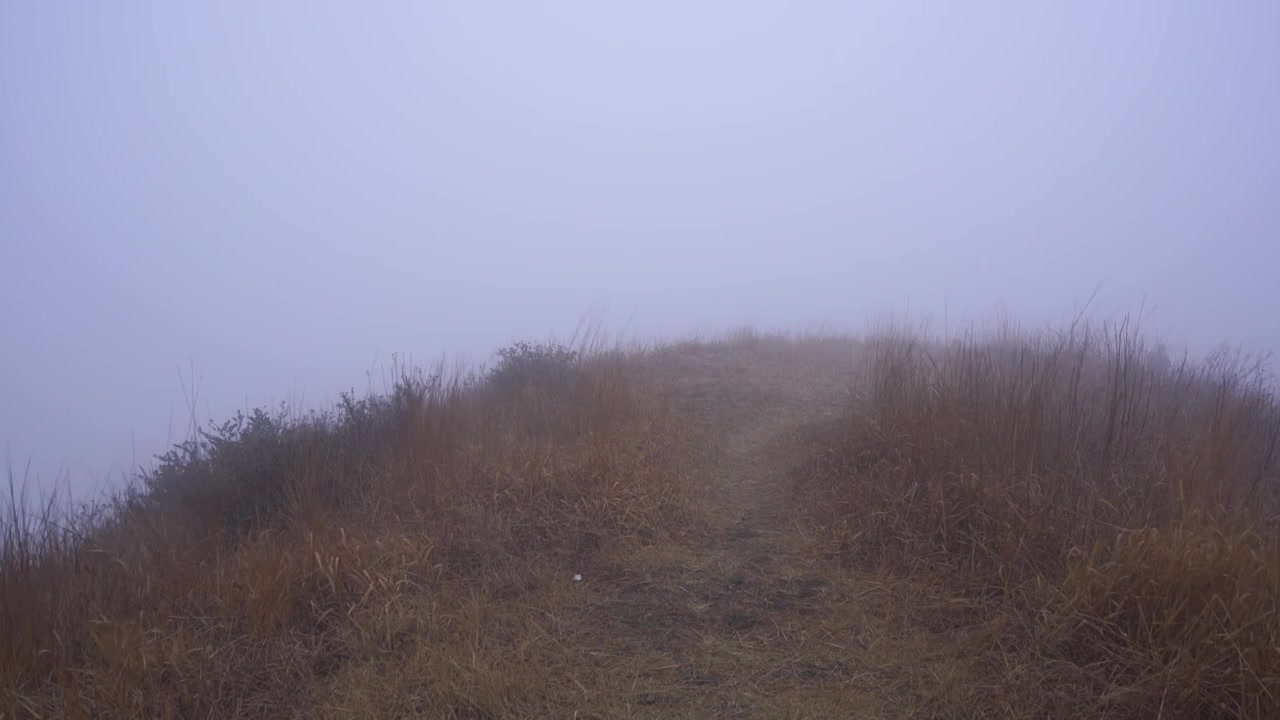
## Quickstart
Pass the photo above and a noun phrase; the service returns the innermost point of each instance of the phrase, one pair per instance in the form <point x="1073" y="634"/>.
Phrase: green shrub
<point x="523" y="364"/>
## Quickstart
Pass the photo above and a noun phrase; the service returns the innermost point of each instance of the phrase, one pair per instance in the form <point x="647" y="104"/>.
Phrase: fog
<point x="282" y="195"/>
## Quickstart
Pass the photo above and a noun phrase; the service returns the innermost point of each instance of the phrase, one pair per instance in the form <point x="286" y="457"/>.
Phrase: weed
<point x="1123" y="506"/>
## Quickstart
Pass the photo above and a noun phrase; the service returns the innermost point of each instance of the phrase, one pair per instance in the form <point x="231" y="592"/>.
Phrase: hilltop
<point x="1052" y="525"/>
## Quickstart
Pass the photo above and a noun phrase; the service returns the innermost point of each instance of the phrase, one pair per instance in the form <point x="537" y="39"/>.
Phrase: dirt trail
<point x="750" y="622"/>
<point x="748" y="403"/>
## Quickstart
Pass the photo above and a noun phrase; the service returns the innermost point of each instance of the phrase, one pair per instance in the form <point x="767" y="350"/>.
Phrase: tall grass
<point x="266" y="561"/>
<point x="1121" y="506"/>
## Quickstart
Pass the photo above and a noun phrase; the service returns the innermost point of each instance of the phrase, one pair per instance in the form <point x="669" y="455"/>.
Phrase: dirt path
<point x="751" y="622"/>
<point x="750" y="617"/>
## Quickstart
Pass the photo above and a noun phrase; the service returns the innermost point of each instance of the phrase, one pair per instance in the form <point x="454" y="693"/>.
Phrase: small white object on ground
<point x="577" y="578"/>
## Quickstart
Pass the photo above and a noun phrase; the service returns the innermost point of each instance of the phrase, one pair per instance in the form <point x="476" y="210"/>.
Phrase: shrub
<point x="522" y="364"/>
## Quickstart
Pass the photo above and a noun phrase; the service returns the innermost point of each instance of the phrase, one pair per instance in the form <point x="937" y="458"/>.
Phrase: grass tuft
<point x="1114" y="512"/>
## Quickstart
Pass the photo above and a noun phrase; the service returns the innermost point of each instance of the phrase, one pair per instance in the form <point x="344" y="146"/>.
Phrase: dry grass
<point x="1058" y="525"/>
<point x="404" y="555"/>
<point x="1104" y="518"/>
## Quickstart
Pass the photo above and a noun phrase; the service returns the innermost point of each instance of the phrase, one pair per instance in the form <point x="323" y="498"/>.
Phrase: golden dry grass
<point x="766" y="525"/>
<point x="385" y="563"/>
<point x="1105" y="518"/>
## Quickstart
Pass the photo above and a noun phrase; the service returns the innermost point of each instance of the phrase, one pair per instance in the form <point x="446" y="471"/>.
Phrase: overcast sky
<point x="285" y="194"/>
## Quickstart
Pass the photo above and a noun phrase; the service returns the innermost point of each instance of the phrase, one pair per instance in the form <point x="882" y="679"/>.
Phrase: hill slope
<point x="709" y="529"/>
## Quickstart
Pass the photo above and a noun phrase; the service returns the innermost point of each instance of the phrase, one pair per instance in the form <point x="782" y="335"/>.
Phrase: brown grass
<point x="1106" y="517"/>
<point x="1053" y="525"/>
<point x="382" y="560"/>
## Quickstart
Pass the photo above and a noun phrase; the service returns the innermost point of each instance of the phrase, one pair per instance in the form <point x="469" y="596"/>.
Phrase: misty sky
<point x="285" y="194"/>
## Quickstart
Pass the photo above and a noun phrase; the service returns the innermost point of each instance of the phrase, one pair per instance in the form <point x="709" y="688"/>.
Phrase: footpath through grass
<point x="763" y="526"/>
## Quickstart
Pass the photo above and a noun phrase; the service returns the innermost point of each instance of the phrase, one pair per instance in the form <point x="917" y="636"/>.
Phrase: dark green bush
<point x="545" y="364"/>
<point x="246" y="470"/>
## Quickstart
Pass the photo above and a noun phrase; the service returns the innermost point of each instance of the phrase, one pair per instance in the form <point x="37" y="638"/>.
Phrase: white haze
<point x="285" y="194"/>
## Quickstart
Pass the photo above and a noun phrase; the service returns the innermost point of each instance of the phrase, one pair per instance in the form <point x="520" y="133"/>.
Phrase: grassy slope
<point x="409" y="556"/>
<point x="1097" y="523"/>
<point x="442" y="585"/>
